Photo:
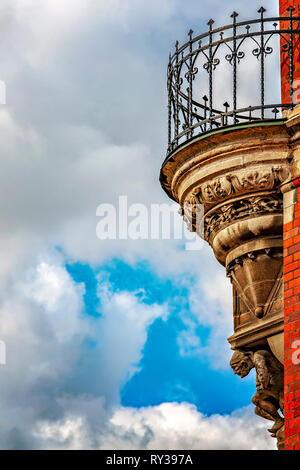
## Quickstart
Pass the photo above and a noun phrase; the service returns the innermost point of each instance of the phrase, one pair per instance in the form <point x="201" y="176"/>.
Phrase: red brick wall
<point x="285" y="63"/>
<point x="291" y="263"/>
<point x="285" y="4"/>
<point x="291" y="277"/>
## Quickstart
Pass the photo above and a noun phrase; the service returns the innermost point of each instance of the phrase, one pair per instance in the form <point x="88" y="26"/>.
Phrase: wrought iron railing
<point x="237" y="56"/>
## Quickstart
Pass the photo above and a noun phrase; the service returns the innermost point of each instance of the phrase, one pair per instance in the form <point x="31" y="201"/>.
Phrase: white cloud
<point x="85" y="121"/>
<point x="42" y="326"/>
<point x="50" y="287"/>
<point x="211" y="307"/>
<point x="81" y="127"/>
<point x="44" y="329"/>
<point x="170" y="426"/>
<point x="121" y="334"/>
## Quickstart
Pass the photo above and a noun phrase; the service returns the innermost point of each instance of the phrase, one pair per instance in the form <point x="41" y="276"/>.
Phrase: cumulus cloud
<point x="170" y="426"/>
<point x="213" y="309"/>
<point x="85" y="122"/>
<point x="53" y="347"/>
<point x="121" y="334"/>
<point x="41" y="322"/>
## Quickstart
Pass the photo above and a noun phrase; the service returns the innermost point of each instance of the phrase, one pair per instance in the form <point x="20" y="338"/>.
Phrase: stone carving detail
<point x="238" y="210"/>
<point x="253" y="181"/>
<point x="236" y="181"/>
<point x="249" y="255"/>
<point x="216" y="189"/>
<point x="257" y="310"/>
<point x="192" y="213"/>
<point x="268" y="398"/>
<point x="241" y="182"/>
<point x="258" y="305"/>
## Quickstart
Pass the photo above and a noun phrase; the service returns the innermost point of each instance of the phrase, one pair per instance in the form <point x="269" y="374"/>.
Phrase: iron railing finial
<point x="262" y="10"/>
<point x="210" y="23"/>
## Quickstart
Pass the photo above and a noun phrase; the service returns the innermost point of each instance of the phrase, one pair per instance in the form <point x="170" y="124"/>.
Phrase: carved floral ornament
<point x="229" y="212"/>
<point x="262" y="178"/>
<point x="239" y="210"/>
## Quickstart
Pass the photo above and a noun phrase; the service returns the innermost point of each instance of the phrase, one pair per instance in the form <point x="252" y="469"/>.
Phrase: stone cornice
<point x="231" y="151"/>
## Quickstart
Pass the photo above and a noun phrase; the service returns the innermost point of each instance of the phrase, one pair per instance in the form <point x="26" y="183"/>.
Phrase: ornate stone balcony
<point x="235" y="163"/>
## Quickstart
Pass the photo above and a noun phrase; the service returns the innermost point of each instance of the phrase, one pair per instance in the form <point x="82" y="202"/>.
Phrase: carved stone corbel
<point x="268" y="399"/>
<point x="229" y="187"/>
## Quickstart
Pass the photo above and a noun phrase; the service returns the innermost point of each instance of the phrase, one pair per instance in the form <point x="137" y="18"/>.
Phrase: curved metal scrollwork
<point x="189" y="115"/>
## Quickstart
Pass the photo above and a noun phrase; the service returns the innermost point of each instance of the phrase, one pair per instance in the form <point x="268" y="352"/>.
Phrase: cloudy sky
<point x="111" y="344"/>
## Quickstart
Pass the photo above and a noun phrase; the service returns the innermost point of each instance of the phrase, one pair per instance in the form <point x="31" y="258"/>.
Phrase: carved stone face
<point x="241" y="363"/>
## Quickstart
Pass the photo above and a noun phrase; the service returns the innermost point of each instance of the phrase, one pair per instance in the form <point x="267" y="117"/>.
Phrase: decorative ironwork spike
<point x="275" y="25"/>
<point x="234" y="15"/>
<point x="176" y="44"/>
<point x="221" y="35"/>
<point x="290" y="8"/>
<point x="248" y="27"/>
<point x="227" y="105"/>
<point x="210" y="23"/>
<point x="205" y="98"/>
<point x="190" y="33"/>
<point x="261" y="10"/>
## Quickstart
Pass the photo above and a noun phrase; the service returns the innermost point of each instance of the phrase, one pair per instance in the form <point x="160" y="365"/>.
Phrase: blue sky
<point x="110" y="343"/>
<point x="164" y="372"/>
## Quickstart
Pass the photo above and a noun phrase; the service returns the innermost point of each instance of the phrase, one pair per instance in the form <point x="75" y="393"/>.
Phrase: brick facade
<point x="291" y="277"/>
<point x="285" y="63"/>
<point x="291" y="263"/>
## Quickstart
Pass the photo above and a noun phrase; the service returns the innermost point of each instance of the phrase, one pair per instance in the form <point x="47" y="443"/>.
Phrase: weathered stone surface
<point x="237" y="176"/>
<point x="262" y="149"/>
<point x="233" y="181"/>
<point x="276" y="344"/>
<point x="269" y="397"/>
